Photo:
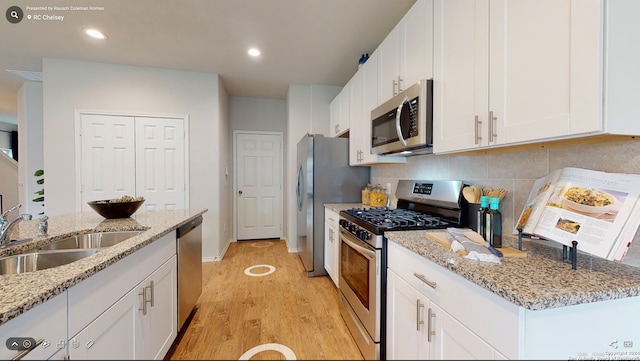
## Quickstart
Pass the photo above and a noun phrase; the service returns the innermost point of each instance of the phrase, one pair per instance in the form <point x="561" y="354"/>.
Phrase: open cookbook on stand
<point x="599" y="210"/>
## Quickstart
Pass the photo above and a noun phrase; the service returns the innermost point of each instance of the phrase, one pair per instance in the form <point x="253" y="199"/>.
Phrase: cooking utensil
<point x="469" y="194"/>
<point x="486" y="190"/>
<point x="499" y="193"/>
<point x="478" y="191"/>
<point x="477" y="238"/>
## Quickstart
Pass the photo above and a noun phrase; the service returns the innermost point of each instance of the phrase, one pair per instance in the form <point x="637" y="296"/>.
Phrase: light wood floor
<point x="237" y="312"/>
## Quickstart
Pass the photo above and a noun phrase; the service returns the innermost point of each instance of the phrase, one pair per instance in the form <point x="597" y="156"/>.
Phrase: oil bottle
<point x="493" y="224"/>
<point x="480" y="220"/>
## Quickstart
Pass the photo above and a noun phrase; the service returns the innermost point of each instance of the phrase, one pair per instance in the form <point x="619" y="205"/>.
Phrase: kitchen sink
<point x="39" y="260"/>
<point x="91" y="240"/>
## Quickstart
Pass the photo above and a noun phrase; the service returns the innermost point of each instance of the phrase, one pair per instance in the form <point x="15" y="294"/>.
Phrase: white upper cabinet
<point x="363" y="99"/>
<point x="512" y="72"/>
<point x="339" y="113"/>
<point x="405" y="55"/>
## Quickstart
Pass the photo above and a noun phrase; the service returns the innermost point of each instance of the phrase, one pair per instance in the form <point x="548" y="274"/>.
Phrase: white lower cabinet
<point x="46" y="322"/>
<point x="417" y="329"/>
<point x="467" y="321"/>
<point x="453" y="341"/>
<point x="156" y="319"/>
<point x="407" y="321"/>
<point x="331" y="244"/>
<point x="128" y="310"/>
<point x="142" y="323"/>
<point x="111" y="334"/>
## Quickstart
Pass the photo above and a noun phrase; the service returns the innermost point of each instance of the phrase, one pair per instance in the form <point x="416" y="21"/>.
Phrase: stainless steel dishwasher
<point x="189" y="268"/>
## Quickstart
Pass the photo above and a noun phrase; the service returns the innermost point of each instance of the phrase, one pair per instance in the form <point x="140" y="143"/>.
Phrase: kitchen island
<point x="21" y="292"/>
<point x="536" y="307"/>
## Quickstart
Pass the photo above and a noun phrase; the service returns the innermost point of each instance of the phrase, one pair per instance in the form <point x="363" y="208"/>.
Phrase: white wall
<point x="30" y="148"/>
<point x="225" y="187"/>
<point x="307" y="112"/>
<point x="8" y="181"/>
<point x="258" y="114"/>
<point x="69" y="85"/>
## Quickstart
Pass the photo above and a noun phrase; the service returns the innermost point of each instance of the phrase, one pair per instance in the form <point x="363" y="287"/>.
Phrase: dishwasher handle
<point x="188" y="227"/>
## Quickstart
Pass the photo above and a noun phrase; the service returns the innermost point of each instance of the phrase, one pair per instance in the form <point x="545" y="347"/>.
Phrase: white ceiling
<point x="302" y="41"/>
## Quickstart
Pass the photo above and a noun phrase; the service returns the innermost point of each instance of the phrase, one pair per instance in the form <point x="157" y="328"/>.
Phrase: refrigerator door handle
<point x="299" y="188"/>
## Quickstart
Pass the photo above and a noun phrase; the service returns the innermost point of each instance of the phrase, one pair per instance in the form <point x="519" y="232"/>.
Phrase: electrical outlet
<point x="388" y="188"/>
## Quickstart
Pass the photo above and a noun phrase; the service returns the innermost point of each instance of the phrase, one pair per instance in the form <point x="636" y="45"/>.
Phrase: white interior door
<point x="107" y="160"/>
<point x="135" y="156"/>
<point x="259" y="185"/>
<point x="160" y="162"/>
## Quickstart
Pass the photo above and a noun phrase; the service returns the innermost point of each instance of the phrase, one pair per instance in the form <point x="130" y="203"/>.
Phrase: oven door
<point x="360" y="280"/>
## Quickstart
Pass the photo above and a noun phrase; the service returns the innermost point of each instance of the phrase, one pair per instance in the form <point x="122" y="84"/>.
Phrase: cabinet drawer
<point x="91" y="297"/>
<point x="331" y="218"/>
<point x="486" y="314"/>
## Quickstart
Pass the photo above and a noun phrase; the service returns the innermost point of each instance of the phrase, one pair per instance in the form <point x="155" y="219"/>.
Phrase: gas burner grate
<point x="395" y="219"/>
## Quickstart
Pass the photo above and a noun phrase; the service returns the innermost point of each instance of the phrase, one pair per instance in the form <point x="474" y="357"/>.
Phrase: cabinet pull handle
<point x="153" y="292"/>
<point x="422" y="278"/>
<point x="492" y="133"/>
<point x="399" y="80"/>
<point x="394" y="87"/>
<point x="478" y="122"/>
<point x="143" y="293"/>
<point x="24" y="353"/>
<point x="430" y="331"/>
<point x="418" y="320"/>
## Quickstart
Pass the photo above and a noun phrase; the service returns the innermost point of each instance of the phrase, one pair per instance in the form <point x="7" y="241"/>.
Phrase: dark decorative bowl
<point x="111" y="210"/>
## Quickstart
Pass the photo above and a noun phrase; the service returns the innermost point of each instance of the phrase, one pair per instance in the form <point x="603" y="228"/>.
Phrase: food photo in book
<point x="599" y="210"/>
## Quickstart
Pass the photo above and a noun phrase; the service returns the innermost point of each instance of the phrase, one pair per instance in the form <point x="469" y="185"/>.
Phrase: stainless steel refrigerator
<point x="324" y="176"/>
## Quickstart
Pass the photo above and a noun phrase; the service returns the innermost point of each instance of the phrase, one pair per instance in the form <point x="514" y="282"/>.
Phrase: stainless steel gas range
<point x="422" y="204"/>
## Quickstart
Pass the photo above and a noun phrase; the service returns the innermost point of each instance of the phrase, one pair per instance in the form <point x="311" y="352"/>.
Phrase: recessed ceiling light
<point x="254" y="52"/>
<point x="95" y="33"/>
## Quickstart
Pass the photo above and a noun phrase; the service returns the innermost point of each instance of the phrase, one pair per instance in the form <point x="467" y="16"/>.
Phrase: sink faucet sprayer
<point x="6" y="226"/>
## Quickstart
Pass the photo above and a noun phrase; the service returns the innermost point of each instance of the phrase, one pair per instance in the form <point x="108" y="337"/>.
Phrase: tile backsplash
<point x="516" y="171"/>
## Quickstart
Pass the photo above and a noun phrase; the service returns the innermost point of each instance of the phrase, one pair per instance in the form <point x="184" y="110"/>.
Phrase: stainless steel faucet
<point x="6" y="226"/>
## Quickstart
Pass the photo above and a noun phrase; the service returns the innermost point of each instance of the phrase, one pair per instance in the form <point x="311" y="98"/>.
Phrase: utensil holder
<point x="471" y="216"/>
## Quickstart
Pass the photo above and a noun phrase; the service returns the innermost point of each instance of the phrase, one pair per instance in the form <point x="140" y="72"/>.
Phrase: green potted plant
<point x="40" y="194"/>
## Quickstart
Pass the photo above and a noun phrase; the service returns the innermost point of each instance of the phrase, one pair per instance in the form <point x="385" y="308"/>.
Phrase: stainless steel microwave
<point x="403" y="125"/>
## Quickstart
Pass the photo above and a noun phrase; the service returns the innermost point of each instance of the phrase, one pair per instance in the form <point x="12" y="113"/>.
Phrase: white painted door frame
<point x="78" y="113"/>
<point x="235" y="178"/>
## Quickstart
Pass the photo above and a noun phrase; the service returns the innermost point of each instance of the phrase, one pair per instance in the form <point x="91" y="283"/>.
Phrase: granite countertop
<point x="540" y="281"/>
<point x="337" y="207"/>
<point x="21" y="292"/>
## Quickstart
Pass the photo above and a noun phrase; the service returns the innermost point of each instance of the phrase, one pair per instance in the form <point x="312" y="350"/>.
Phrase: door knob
<point x="240" y="192"/>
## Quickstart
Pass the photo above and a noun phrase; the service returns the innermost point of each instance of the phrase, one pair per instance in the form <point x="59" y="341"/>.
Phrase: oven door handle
<point x="398" y="115"/>
<point x="364" y="251"/>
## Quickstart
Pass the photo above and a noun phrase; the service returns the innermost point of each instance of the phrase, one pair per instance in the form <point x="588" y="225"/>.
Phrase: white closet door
<point x="160" y="162"/>
<point x="107" y="160"/>
<point x="259" y="181"/>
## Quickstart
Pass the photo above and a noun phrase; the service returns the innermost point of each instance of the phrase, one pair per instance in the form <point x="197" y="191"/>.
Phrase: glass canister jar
<point x="366" y="193"/>
<point x="378" y="198"/>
